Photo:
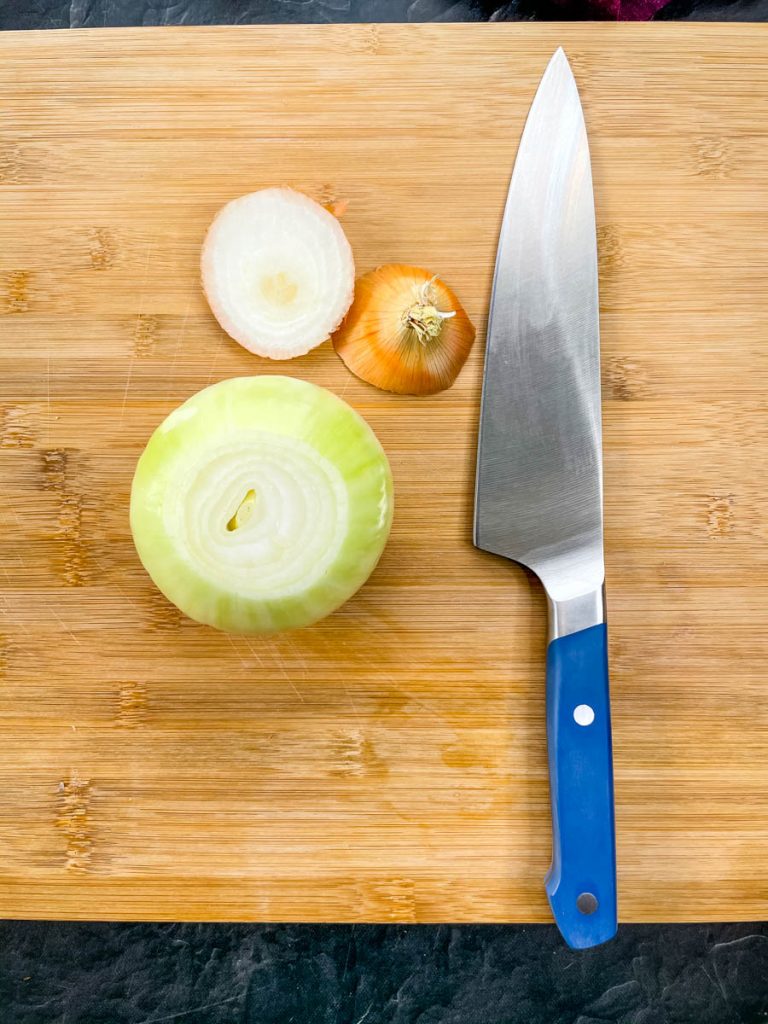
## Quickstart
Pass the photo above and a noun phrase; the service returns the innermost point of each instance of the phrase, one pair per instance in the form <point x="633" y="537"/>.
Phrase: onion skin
<point x="377" y="344"/>
<point x="294" y="417"/>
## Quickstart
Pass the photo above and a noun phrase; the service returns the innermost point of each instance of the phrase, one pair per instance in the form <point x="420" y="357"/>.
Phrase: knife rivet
<point x="586" y="903"/>
<point x="583" y="714"/>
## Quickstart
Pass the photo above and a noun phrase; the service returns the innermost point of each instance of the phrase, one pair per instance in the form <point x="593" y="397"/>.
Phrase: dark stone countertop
<point x="379" y="974"/>
<point x="340" y="974"/>
<point x="21" y="14"/>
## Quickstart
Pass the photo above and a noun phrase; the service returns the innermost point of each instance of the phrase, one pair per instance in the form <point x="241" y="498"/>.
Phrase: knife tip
<point x="559" y="67"/>
<point x="558" y="55"/>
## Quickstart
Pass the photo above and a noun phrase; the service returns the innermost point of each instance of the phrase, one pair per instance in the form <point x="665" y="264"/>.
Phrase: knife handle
<point x="581" y="884"/>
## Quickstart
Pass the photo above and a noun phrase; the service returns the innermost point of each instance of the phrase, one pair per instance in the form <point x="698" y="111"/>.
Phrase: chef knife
<point x="539" y="480"/>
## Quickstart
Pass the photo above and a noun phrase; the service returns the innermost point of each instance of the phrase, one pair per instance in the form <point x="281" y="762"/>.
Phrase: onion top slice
<point x="278" y="272"/>
<point x="406" y="331"/>
<point x="261" y="504"/>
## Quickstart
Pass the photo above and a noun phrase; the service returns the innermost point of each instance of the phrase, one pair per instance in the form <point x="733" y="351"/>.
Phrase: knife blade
<point x="538" y="497"/>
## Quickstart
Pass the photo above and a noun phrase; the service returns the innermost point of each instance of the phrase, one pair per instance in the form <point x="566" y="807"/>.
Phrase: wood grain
<point x="388" y="764"/>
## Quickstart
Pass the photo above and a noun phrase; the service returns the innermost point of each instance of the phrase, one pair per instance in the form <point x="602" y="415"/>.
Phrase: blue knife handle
<point x="581" y="884"/>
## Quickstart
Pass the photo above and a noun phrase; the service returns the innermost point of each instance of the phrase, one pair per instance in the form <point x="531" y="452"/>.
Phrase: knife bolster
<point x="576" y="613"/>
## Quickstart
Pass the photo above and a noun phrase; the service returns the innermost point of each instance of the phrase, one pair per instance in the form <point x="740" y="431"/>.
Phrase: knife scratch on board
<point x="48" y="402"/>
<point x="142" y="295"/>
<point x="243" y="662"/>
<point x="298" y="657"/>
<point x="215" y="360"/>
<point x="179" y="345"/>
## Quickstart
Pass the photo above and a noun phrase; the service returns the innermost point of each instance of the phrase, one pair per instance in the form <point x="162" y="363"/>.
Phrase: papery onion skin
<point x="376" y="344"/>
<point x="225" y="277"/>
<point x="304" y="425"/>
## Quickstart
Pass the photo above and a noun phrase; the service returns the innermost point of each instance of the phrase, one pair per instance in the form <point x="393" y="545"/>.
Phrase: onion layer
<point x="261" y="504"/>
<point x="278" y="272"/>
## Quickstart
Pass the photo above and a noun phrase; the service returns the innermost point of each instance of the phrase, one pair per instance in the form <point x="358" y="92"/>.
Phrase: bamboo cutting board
<point x="389" y="763"/>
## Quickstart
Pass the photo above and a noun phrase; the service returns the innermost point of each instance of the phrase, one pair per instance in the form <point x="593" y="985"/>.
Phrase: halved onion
<point x="278" y="272"/>
<point x="261" y="504"/>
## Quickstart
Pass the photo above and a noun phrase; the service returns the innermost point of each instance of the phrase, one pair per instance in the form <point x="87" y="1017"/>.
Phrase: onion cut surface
<point x="278" y="272"/>
<point x="261" y="504"/>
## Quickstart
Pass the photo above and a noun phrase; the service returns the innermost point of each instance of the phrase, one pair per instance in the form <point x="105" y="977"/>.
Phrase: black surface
<point x="324" y="974"/>
<point x="19" y="14"/>
<point x="310" y="974"/>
